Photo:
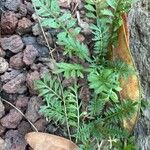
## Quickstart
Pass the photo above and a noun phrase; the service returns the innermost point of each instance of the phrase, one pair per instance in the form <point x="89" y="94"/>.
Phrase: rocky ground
<point x="23" y="59"/>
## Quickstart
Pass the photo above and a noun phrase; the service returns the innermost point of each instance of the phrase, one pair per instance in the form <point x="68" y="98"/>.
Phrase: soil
<point x="23" y="59"/>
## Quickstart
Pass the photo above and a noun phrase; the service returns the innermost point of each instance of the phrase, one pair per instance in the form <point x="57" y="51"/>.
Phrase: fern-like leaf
<point x="70" y="70"/>
<point x="120" y="111"/>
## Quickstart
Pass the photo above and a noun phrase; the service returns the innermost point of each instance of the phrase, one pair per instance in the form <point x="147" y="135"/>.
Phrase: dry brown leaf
<point x="130" y="87"/>
<point x="45" y="141"/>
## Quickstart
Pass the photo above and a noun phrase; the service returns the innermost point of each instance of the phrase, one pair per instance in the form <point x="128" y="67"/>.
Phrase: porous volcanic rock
<point x="22" y="101"/>
<point x="13" y="4"/>
<point x="30" y="80"/>
<point x="15" y="140"/>
<point x="8" y="22"/>
<point x="9" y="75"/>
<point x="30" y="54"/>
<point x="23" y="10"/>
<point x="3" y="65"/>
<point x="41" y="125"/>
<point x="24" y="26"/>
<point x="24" y="127"/>
<point x="16" y="61"/>
<point x="13" y="43"/>
<point x="12" y="119"/>
<point x="14" y="85"/>
<point x="32" y="112"/>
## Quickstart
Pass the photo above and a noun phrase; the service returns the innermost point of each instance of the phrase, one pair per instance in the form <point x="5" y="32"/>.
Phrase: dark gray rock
<point x="32" y="112"/>
<point x="13" y="4"/>
<point x="14" y="140"/>
<point x="24" y="127"/>
<point x="43" y="51"/>
<point x="29" y="40"/>
<point x="139" y="43"/>
<point x="11" y="74"/>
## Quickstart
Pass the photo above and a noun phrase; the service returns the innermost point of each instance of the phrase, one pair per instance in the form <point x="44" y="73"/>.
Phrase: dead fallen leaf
<point x="130" y="87"/>
<point x="45" y="141"/>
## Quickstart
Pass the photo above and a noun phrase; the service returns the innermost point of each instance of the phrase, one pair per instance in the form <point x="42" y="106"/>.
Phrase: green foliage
<point x="52" y="17"/>
<point x="108" y="15"/>
<point x="50" y="89"/>
<point x="103" y="117"/>
<point x="121" y="111"/>
<point x="105" y="82"/>
<point x="70" y="70"/>
<point x="72" y="47"/>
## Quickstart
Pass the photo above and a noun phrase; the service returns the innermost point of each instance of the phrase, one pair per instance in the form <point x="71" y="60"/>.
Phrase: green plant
<point x="101" y="123"/>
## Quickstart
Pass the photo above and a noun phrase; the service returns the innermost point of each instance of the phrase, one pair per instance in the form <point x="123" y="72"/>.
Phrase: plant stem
<point x="65" y="109"/>
<point x="78" y="108"/>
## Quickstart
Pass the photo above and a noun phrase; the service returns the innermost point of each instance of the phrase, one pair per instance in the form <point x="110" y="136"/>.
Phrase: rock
<point x="30" y="80"/>
<point x="23" y="10"/>
<point x="12" y="119"/>
<point x="2" y="52"/>
<point x="16" y="61"/>
<point x="41" y="125"/>
<point x="41" y="39"/>
<point x="24" y="127"/>
<point x="9" y="75"/>
<point x="13" y="4"/>
<point x="29" y="55"/>
<point x="2" y="109"/>
<point x="15" y="141"/>
<point x="8" y="54"/>
<point x="22" y="101"/>
<point x="14" y="85"/>
<point x="8" y="22"/>
<point x="43" y="70"/>
<point x="2" y="6"/>
<point x="30" y="8"/>
<point x="24" y="26"/>
<point x="32" y="112"/>
<point x="2" y="144"/>
<point x="13" y="43"/>
<point x="2" y="130"/>
<point x="36" y="29"/>
<point x="29" y="40"/>
<point x="43" y="51"/>
<point x="3" y="65"/>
